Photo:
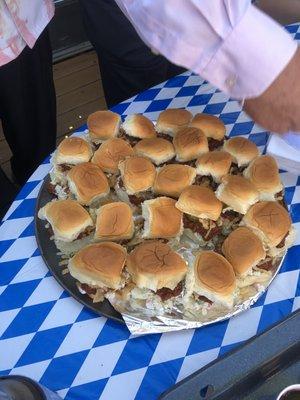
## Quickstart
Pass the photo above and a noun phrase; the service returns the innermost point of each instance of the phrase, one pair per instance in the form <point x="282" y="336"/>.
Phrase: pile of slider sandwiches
<point x="128" y="197"/>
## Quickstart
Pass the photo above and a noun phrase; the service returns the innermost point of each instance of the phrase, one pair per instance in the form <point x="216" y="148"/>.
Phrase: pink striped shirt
<point x="21" y="23"/>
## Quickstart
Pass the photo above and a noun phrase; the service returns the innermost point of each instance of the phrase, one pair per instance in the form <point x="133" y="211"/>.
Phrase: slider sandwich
<point x="201" y="210"/>
<point x="158" y="274"/>
<point x="138" y="126"/>
<point x="99" y="269"/>
<point x="88" y="183"/>
<point x="189" y="144"/>
<point x="71" y="225"/>
<point x="170" y="121"/>
<point x="136" y="181"/>
<point x="212" y="127"/>
<point x="263" y="173"/>
<point x="243" y="151"/>
<point x="103" y="125"/>
<point x="215" y="164"/>
<point x="158" y="150"/>
<point x="172" y="179"/>
<point x="272" y="223"/>
<point x="71" y="151"/>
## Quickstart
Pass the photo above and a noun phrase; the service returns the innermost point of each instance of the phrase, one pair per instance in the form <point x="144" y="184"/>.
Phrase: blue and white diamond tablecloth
<point x="47" y="335"/>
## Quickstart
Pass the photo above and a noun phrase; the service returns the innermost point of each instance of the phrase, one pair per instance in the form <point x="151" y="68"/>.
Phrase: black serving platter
<point x="52" y="260"/>
<point x="259" y="370"/>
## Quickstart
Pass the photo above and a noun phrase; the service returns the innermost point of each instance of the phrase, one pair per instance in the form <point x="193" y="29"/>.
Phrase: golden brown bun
<point x="110" y="153"/>
<point x="162" y="219"/>
<point x="237" y="192"/>
<point x="158" y="150"/>
<point x="99" y="265"/>
<point x="173" y="178"/>
<point x="139" y="126"/>
<point x="67" y="219"/>
<point x="215" y="163"/>
<point x="200" y="202"/>
<point x="263" y="173"/>
<point x="244" y="250"/>
<point x="242" y="150"/>
<point x="138" y="174"/>
<point x="154" y="265"/>
<point x="103" y="125"/>
<point x="73" y="150"/>
<point x="214" y="278"/>
<point x="269" y="220"/>
<point x="189" y="144"/>
<point x="211" y="126"/>
<point x="114" y="222"/>
<point x="88" y="183"/>
<point x="172" y="120"/>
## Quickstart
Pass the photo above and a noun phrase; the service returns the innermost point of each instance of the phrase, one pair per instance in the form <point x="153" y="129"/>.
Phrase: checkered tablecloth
<point x="47" y="335"/>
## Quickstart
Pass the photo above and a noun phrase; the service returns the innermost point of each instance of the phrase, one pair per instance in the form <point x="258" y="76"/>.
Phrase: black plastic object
<point x="259" y="370"/>
<point x="52" y="260"/>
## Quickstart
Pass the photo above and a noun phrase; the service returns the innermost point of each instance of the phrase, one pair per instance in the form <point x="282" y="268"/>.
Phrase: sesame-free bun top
<point x="110" y="153"/>
<point x="170" y="121"/>
<point x="215" y="163"/>
<point x="73" y="150"/>
<point x="214" y="278"/>
<point x="200" y="202"/>
<point x="158" y="150"/>
<point x="139" y="126"/>
<point x="88" y="183"/>
<point x="210" y="125"/>
<point x="103" y="125"/>
<point x="99" y="265"/>
<point x="189" y="144"/>
<point x="171" y="179"/>
<point x="67" y="219"/>
<point x="243" y="249"/>
<point x="263" y="173"/>
<point x="114" y="222"/>
<point x="162" y="218"/>
<point x="138" y="174"/>
<point x="269" y="220"/>
<point x="237" y="192"/>
<point x="154" y="265"/>
<point x="242" y="150"/>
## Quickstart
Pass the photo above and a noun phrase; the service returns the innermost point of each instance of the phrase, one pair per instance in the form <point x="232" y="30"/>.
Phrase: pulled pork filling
<point x="138" y="198"/>
<point x="65" y="167"/>
<point x="207" y="232"/>
<point x="129" y="139"/>
<point x="51" y="189"/>
<point x="166" y="293"/>
<point x="214" y="144"/>
<point x="282" y="243"/>
<point x="231" y="215"/>
<point x="86" y="232"/>
<point x="165" y="136"/>
<point x="236" y="170"/>
<point x="206" y="181"/>
<point x="202" y="298"/>
<point x="266" y="264"/>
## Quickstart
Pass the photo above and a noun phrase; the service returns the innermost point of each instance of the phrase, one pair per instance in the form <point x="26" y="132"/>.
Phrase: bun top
<point x="170" y="121"/>
<point x="139" y="126"/>
<point x="211" y="126"/>
<point x="171" y="179"/>
<point x="215" y="163"/>
<point x="138" y="174"/>
<point x="242" y="150"/>
<point x="87" y="181"/>
<point x="158" y="150"/>
<point x="103" y="125"/>
<point x="215" y="273"/>
<point x="110" y="153"/>
<point x="190" y="143"/>
<point x="243" y="249"/>
<point x="271" y="219"/>
<point x="73" y="150"/>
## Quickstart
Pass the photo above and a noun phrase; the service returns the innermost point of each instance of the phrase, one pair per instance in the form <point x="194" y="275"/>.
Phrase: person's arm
<point x="230" y="43"/>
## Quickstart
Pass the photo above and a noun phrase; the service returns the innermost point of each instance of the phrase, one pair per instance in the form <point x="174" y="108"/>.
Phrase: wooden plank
<point x="78" y="97"/>
<point x="7" y="169"/>
<point x="74" y="64"/>
<point x="5" y="152"/>
<point x="71" y="118"/>
<point x="77" y="79"/>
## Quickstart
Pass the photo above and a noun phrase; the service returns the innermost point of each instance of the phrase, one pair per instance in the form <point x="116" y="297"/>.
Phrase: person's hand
<point x="278" y="108"/>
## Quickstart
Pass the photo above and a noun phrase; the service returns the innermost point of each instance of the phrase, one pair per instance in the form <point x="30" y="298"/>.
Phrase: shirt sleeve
<point x="230" y="43"/>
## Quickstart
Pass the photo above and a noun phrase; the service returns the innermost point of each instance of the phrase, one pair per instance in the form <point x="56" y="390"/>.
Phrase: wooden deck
<point x="78" y="91"/>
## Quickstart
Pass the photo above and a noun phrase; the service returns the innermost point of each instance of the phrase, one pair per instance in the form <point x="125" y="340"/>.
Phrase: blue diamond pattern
<point x="15" y="295"/>
<point x="208" y="337"/>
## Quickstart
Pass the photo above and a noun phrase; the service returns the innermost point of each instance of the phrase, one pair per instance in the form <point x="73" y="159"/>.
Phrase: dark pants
<point x="127" y="65"/>
<point x="28" y="111"/>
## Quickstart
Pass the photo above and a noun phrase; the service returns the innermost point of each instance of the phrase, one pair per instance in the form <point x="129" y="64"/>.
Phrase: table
<point x="47" y="335"/>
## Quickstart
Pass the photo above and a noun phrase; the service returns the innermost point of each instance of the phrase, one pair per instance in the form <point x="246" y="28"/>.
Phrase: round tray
<point x="52" y="260"/>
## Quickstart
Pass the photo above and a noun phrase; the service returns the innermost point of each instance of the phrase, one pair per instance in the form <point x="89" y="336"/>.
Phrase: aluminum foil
<point x="144" y="321"/>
